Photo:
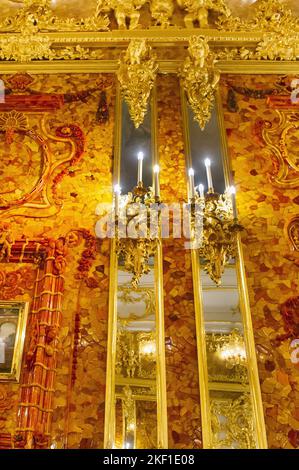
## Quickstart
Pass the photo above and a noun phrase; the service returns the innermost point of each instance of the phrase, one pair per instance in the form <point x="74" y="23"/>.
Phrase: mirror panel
<point x="232" y="411"/>
<point x="136" y="413"/>
<point x="136" y="364"/>
<point x="228" y="382"/>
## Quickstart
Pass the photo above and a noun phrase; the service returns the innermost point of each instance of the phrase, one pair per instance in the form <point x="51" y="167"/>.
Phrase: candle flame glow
<point x="191" y="172"/>
<point x="207" y="162"/>
<point x="156" y="169"/>
<point x="140" y="155"/>
<point x="117" y="189"/>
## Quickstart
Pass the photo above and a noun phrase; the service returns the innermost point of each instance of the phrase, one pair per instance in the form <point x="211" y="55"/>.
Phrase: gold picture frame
<point x="13" y="321"/>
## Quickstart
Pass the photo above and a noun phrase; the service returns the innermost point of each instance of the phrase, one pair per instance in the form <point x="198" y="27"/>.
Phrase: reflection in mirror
<point x="136" y="397"/>
<point x="134" y="141"/>
<point x="229" y="391"/>
<point x="136" y="368"/>
<point x="232" y="412"/>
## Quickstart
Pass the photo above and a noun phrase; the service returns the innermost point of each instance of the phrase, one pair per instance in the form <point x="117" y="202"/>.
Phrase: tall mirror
<point x="135" y="412"/>
<point x="232" y="411"/>
<point x="136" y="363"/>
<point x="228" y="382"/>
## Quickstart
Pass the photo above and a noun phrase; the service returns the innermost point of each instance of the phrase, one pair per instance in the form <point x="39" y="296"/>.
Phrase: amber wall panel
<point x="73" y="189"/>
<point x="16" y="283"/>
<point x="183" y="403"/>
<point x="265" y="207"/>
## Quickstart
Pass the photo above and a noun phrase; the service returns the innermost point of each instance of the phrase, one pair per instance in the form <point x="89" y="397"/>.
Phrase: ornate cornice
<point x="34" y="33"/>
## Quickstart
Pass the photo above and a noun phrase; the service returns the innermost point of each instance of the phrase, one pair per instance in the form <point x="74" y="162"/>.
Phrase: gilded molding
<point x="137" y="74"/>
<point x="37" y="16"/>
<point x="237" y="429"/>
<point x="200" y="78"/>
<point x="270" y="16"/>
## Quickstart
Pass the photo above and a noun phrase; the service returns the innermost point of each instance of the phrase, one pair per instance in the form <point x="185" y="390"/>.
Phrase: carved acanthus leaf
<point x="270" y="16"/>
<point x="200" y="79"/>
<point x="37" y="16"/>
<point x="137" y="74"/>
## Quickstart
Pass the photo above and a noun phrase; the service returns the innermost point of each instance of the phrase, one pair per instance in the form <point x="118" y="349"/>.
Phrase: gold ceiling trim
<point x="165" y="66"/>
<point x="264" y="15"/>
<point x="25" y="48"/>
<point x="34" y="32"/>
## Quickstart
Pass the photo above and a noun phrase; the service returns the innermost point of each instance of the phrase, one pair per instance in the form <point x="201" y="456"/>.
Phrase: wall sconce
<point x="217" y="242"/>
<point x="137" y="224"/>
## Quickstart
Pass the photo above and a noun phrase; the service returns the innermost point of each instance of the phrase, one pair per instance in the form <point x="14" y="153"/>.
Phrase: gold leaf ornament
<point x="200" y="79"/>
<point x="137" y="74"/>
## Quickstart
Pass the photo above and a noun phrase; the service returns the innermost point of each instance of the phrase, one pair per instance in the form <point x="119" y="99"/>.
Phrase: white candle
<point x="140" y="163"/>
<point x="191" y="184"/>
<point x="209" y="175"/>
<point x="157" y="180"/>
<point x="117" y="192"/>
<point x="201" y="191"/>
<point x="232" y="191"/>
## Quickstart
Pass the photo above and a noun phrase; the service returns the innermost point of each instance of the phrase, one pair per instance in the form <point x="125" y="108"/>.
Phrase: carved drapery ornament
<point x="137" y="74"/>
<point x="200" y="78"/>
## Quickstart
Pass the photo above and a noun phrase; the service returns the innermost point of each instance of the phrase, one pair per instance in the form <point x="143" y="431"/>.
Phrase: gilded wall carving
<point x="265" y="208"/>
<point x="200" y="79"/>
<point x="31" y="28"/>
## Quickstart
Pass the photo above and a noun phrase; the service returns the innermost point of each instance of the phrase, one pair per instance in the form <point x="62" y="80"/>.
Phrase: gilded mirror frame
<point x="162" y="428"/>
<point x="16" y="364"/>
<point x="253" y="376"/>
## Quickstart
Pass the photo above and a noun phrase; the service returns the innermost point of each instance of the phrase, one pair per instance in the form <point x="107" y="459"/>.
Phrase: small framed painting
<point x="13" y="320"/>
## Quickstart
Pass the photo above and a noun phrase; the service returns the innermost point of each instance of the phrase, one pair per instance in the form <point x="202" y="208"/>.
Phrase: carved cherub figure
<point x="199" y="51"/>
<point x="198" y="11"/>
<point x="6" y="242"/>
<point x="123" y="10"/>
<point x="162" y="11"/>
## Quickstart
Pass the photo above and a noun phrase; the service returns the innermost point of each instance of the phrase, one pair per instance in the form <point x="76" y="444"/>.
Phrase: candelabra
<point x="137" y="225"/>
<point x="217" y="242"/>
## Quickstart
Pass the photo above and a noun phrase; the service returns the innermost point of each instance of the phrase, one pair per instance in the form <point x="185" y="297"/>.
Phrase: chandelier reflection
<point x="217" y="244"/>
<point x="231" y="349"/>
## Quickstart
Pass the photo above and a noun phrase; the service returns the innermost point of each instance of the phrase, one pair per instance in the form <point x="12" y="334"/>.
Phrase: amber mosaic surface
<point x="184" y="426"/>
<point x="79" y="133"/>
<point x="265" y="208"/>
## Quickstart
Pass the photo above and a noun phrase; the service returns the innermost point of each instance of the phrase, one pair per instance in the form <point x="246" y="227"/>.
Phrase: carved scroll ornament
<point x="200" y="79"/>
<point x="137" y="74"/>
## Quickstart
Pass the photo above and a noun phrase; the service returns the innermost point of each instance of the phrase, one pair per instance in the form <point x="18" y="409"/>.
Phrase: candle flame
<point x="207" y="162"/>
<point x="140" y="155"/>
<point x="191" y="172"/>
<point x="117" y="189"/>
<point x="232" y="190"/>
<point x="156" y="169"/>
